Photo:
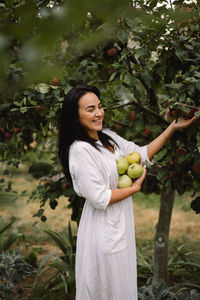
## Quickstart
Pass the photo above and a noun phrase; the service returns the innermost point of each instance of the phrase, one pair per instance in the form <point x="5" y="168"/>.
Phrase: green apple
<point x="122" y="165"/>
<point x="124" y="181"/>
<point x="133" y="157"/>
<point x="134" y="170"/>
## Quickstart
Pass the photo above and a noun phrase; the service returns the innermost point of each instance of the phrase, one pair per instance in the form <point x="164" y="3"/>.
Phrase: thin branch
<point x="186" y="105"/>
<point x="119" y="122"/>
<point x="151" y="95"/>
<point x="143" y="108"/>
<point x="154" y="37"/>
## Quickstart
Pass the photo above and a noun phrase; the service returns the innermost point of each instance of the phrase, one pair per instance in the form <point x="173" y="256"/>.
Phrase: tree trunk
<point x="162" y="234"/>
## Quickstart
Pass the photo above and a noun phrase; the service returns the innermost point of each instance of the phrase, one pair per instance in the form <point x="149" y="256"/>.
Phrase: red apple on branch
<point x="196" y="168"/>
<point x="170" y="115"/>
<point x="181" y="151"/>
<point x="16" y="130"/>
<point x="132" y="115"/>
<point x="111" y="71"/>
<point x="54" y="81"/>
<point x="64" y="186"/>
<point x="146" y="132"/>
<point x="112" y="51"/>
<point x="8" y="135"/>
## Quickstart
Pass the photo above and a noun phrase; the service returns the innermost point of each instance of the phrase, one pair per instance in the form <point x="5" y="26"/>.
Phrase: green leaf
<point x="65" y="283"/>
<point x="4" y="226"/>
<point x="40" y="212"/>
<point x="129" y="79"/>
<point x="40" y="270"/>
<point x="138" y="125"/>
<point x="112" y="76"/>
<point x="160" y="154"/>
<point x="174" y="85"/>
<point x="34" y="103"/>
<point x="54" y="87"/>
<point x="162" y="173"/>
<point x="11" y="238"/>
<point x="197" y="74"/>
<point x="123" y="36"/>
<point x="180" y="187"/>
<point x="185" y="109"/>
<point x="14" y="109"/>
<point x="181" y="54"/>
<point x="147" y="78"/>
<point x="23" y="110"/>
<point x="43" y="88"/>
<point x="58" y="240"/>
<point x="141" y="52"/>
<point x="4" y="106"/>
<point x="44" y="131"/>
<point x="197" y="113"/>
<point x="17" y="103"/>
<point x="198" y="85"/>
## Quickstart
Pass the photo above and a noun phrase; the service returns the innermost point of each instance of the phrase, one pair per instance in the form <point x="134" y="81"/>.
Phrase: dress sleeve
<point x="129" y="147"/>
<point x="87" y="178"/>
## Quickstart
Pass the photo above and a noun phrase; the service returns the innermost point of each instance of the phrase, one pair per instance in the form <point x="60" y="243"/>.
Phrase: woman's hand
<point x="156" y="145"/>
<point x="183" y="123"/>
<point x="138" y="182"/>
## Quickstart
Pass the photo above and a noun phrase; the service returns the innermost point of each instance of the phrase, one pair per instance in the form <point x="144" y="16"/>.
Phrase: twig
<point x="186" y="105"/>
<point x="119" y="122"/>
<point x="139" y="105"/>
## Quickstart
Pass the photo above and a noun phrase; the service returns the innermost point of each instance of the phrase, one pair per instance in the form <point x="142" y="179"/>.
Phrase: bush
<point x="40" y="169"/>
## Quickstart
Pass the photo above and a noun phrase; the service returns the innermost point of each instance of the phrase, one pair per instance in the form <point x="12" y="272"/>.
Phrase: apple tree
<point x="148" y="73"/>
<point x="144" y="58"/>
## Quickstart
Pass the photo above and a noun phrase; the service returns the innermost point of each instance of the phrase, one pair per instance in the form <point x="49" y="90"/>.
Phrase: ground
<point x="184" y="224"/>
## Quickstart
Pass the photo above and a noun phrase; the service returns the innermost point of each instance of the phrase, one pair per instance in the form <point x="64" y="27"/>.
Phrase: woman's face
<point x="91" y="114"/>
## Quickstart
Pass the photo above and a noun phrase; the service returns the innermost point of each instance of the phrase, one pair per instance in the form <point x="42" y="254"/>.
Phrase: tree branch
<point x="151" y="94"/>
<point x="143" y="108"/>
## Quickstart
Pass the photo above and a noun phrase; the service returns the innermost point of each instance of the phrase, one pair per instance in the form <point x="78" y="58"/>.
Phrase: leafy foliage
<point x="12" y="236"/>
<point x="13" y="268"/>
<point x="62" y="282"/>
<point x="160" y="291"/>
<point x="40" y="169"/>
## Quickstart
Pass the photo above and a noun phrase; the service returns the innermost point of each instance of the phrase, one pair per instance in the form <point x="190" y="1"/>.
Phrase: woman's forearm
<point x="157" y="144"/>
<point x="121" y="194"/>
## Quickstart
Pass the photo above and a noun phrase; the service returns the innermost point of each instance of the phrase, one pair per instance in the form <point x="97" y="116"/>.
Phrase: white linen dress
<point x="106" y="251"/>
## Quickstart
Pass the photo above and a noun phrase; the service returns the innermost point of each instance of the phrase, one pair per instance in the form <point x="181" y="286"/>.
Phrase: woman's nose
<point x="98" y="112"/>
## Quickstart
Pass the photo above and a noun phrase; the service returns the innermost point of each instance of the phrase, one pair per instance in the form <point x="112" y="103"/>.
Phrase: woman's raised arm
<point x="157" y="144"/>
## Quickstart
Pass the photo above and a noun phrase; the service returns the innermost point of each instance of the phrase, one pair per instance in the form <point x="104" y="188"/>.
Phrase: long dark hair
<point x="70" y="129"/>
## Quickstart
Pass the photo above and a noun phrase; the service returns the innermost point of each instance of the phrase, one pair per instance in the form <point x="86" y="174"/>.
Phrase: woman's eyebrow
<point x="91" y="106"/>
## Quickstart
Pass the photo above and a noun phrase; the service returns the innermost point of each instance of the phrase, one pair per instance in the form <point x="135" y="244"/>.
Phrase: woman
<point x="106" y="251"/>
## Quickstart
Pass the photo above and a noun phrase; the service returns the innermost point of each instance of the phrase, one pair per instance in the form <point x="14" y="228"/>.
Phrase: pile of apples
<point x="129" y="168"/>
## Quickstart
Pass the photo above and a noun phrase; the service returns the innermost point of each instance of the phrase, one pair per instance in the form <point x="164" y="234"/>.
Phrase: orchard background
<point x="144" y="56"/>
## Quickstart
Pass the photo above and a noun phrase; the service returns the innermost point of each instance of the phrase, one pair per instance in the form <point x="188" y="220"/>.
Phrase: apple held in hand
<point x="122" y="165"/>
<point x="170" y="115"/>
<point x="135" y="171"/>
<point x="133" y="157"/>
<point x="124" y="181"/>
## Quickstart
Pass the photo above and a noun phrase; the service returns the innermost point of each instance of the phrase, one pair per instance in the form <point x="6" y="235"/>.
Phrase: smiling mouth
<point x="98" y="121"/>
